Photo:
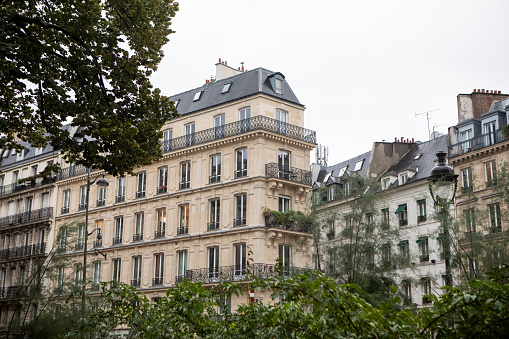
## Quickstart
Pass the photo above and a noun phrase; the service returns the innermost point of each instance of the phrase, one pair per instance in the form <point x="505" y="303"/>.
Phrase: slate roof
<point x="350" y="164"/>
<point x="243" y="85"/>
<point x="10" y="160"/>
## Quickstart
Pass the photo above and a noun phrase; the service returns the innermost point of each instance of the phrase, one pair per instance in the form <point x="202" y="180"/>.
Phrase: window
<point x="245" y="119"/>
<point x="240" y="210"/>
<point x="142" y="185"/>
<point x="101" y="196"/>
<point x="78" y="270"/>
<point x="96" y="275"/>
<point x="386" y="255"/>
<point x="386" y="182"/>
<point x="490" y="173"/>
<point x="403" y="177"/>
<point x="224" y="304"/>
<point x="358" y="165"/>
<point x="189" y="134"/>
<point x="197" y="96"/>
<point x="20" y="155"/>
<point x="406" y="286"/>
<point x="283" y="160"/>
<point x="279" y="86"/>
<point x="83" y="198"/>
<point x="161" y="223"/>
<point x="119" y="228"/>
<point x="213" y="263"/>
<point x="472" y="267"/>
<point x="489" y="131"/>
<point x="239" y="261"/>
<point x="214" y="215"/>
<point x="181" y="266"/>
<point x="116" y="270"/>
<point x="158" y="269"/>
<point x="136" y="281"/>
<point x="167" y="140"/>
<point x="66" y="201"/>
<point x="404" y="252"/>
<point x="466" y="180"/>
<point x="99" y="226"/>
<point x="285" y="253"/>
<point x="385" y="218"/>
<point x="465" y="137"/>
<point x="469" y="217"/>
<point x="331" y="193"/>
<point x="370" y="223"/>
<point x="281" y="121"/>
<point x="401" y="211"/>
<point x="347" y="188"/>
<point x="219" y="126"/>
<point x="423" y="249"/>
<point x="226" y="88"/>
<point x="81" y="237"/>
<point x="241" y="166"/>
<point x="33" y="170"/>
<point x="184" y="220"/>
<point x="6" y="153"/>
<point x="163" y="180"/>
<point x="176" y="103"/>
<point x="60" y="277"/>
<point x="38" y="150"/>
<point x="138" y="227"/>
<point x="121" y="190"/>
<point x="215" y="168"/>
<point x="185" y="175"/>
<point x="426" y="290"/>
<point x="284" y="203"/>
<point x="421" y="210"/>
<point x="495" y="217"/>
<point x="62" y="239"/>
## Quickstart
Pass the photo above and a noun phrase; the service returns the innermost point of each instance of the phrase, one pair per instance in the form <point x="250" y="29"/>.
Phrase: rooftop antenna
<point x="427" y="118"/>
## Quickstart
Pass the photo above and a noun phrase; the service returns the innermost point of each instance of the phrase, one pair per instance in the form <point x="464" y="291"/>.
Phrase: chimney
<point x="219" y="60"/>
<point x="477" y="103"/>
<point x="224" y="71"/>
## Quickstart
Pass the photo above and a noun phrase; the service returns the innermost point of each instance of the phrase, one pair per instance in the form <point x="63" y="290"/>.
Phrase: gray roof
<point x="243" y="85"/>
<point x="10" y="160"/>
<point x="350" y="166"/>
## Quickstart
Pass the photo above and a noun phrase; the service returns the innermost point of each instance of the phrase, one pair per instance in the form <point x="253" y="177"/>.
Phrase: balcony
<point x="101" y="203"/>
<point x="137" y="237"/>
<point x="212" y="226"/>
<point x="421" y="218"/>
<point x="157" y="281"/>
<point x="237" y="273"/>
<point x="64" y="210"/>
<point x="25" y="217"/>
<point x="78" y="247"/>
<point x="182" y="230"/>
<point x="476" y="143"/>
<point x="272" y="170"/>
<point x="82" y="206"/>
<point x="292" y="221"/>
<point x="140" y="194"/>
<point x="12" y="292"/>
<point x="120" y="198"/>
<point x="241" y="173"/>
<point x="117" y="240"/>
<point x="136" y="282"/>
<point x="403" y="222"/>
<point x="98" y="243"/>
<point x="162" y="189"/>
<point x="237" y="222"/>
<point x="184" y="185"/>
<point x="16" y="187"/>
<point x="255" y="123"/>
<point x="214" y="178"/>
<point x="38" y="249"/>
<point x="159" y="234"/>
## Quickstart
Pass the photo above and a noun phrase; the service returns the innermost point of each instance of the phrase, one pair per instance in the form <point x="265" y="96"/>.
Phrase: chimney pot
<point x="474" y="90"/>
<point x="499" y="92"/>
<point x="242" y="67"/>
<point x="207" y="81"/>
<point x="226" y="63"/>
<point x="402" y="139"/>
<point x="482" y="90"/>
<point x="413" y="140"/>
<point x="219" y="60"/>
<point x="395" y="139"/>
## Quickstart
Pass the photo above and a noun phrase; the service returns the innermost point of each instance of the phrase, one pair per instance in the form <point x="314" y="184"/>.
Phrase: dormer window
<point x="385" y="183"/>
<point x="176" y="102"/>
<point x="279" y="86"/>
<point x="417" y="156"/>
<point x="226" y="88"/>
<point x="342" y="171"/>
<point x="38" y="150"/>
<point x="358" y="165"/>
<point x="20" y="155"/>
<point x="6" y="153"/>
<point x="197" y="96"/>
<point x="403" y="177"/>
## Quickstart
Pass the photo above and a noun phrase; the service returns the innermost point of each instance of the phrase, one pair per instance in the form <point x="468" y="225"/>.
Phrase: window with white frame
<point x="495" y="217"/>
<point x="96" y="275"/>
<point x="141" y="185"/>
<point x="138" y="227"/>
<point x="181" y="265"/>
<point x="465" y="137"/>
<point x="161" y="223"/>
<point x="158" y="269"/>
<point x="283" y="159"/>
<point x="66" y="201"/>
<point x="81" y="237"/>
<point x="240" y="210"/>
<point x="183" y="220"/>
<point x="213" y="253"/>
<point x="282" y="121"/>
<point x="60" y="277"/>
<point x="403" y="177"/>
<point x="279" y="86"/>
<point x="189" y="134"/>
<point x="472" y="267"/>
<point x="116" y="269"/>
<point x="285" y="258"/>
<point x="101" y="196"/>
<point x="62" y="239"/>
<point x="219" y="126"/>
<point x="163" y="180"/>
<point x="466" y="180"/>
<point x="185" y="175"/>
<point x="406" y="286"/>
<point x="83" y="198"/>
<point x="226" y="88"/>
<point x="239" y="259"/>
<point x="489" y="131"/>
<point x="421" y="210"/>
<point x="386" y="255"/>
<point x="385" y="218"/>
<point x="214" y="214"/>
<point x="136" y="280"/>
<point x="402" y="213"/>
<point x="120" y="189"/>
<point x="426" y="290"/>
<point x="167" y="140"/>
<point x="241" y="163"/>
<point x="469" y="217"/>
<point x="490" y="173"/>
<point x="215" y="168"/>
<point x="78" y="270"/>
<point x="119" y="228"/>
<point x="284" y="203"/>
<point x="404" y="252"/>
<point x="197" y="96"/>
<point x="423" y="249"/>
<point x="331" y="193"/>
<point x="386" y="182"/>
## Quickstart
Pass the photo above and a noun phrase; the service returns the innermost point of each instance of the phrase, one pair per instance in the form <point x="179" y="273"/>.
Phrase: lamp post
<point x="101" y="183"/>
<point x="442" y="187"/>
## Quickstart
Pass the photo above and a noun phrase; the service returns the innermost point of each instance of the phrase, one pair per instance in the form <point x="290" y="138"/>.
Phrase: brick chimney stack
<point x="477" y="103"/>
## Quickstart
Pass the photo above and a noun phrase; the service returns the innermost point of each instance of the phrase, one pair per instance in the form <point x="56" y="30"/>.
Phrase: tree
<point x="86" y="63"/>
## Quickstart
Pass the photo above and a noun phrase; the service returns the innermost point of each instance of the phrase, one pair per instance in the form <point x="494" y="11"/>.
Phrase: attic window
<point x="385" y="183"/>
<point x="38" y="150"/>
<point x="6" y="153"/>
<point x="279" y="86"/>
<point x="403" y="177"/>
<point x="197" y="96"/>
<point x="176" y="102"/>
<point x="342" y="171"/>
<point x="358" y="165"/>
<point x="417" y="156"/>
<point x="226" y="88"/>
<point x="13" y="152"/>
<point x="326" y="177"/>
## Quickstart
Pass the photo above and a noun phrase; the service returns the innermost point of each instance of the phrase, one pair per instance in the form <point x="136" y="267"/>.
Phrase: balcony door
<point x="189" y="134"/>
<point x="281" y="121"/>
<point x="489" y="131"/>
<point x="245" y="119"/>
<point x="283" y="160"/>
<point x="219" y="126"/>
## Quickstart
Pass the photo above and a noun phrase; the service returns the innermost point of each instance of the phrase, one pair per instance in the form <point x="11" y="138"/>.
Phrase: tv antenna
<point x="427" y="118"/>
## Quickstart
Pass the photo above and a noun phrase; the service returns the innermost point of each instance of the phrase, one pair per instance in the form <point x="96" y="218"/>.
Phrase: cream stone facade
<point x="197" y="213"/>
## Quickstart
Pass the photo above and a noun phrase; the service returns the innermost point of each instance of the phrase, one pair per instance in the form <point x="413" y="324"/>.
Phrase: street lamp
<point x="101" y="183"/>
<point x="442" y="187"/>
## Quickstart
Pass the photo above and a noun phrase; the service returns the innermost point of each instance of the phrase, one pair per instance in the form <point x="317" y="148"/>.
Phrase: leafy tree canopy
<point x="86" y="62"/>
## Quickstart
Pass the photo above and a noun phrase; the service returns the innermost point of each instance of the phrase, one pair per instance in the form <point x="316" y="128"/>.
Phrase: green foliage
<point x="89" y="62"/>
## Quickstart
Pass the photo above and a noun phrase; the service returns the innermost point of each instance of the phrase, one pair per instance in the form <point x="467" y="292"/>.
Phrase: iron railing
<point x="140" y="194"/>
<point x="240" y="173"/>
<point x="82" y="206"/>
<point x="273" y="170"/>
<point x="71" y="171"/>
<point x="98" y="243"/>
<point x="214" y="178"/>
<point x="476" y="143"/>
<point x="237" y="222"/>
<point x="238" y="272"/>
<point x="39" y="248"/>
<point x="255" y="123"/>
<point x="12" y="292"/>
<point x="120" y="198"/>
<point x="117" y="240"/>
<point x="212" y="226"/>
<point x="162" y="189"/>
<point x="184" y="185"/>
<point x="21" y="218"/>
<point x="137" y="237"/>
<point x="101" y="203"/>
<point x="136" y="282"/>
<point x="182" y="230"/>
<point x="270" y="221"/>
<point x="157" y="281"/>
<point x="64" y="210"/>
<point x="159" y="234"/>
<point x="16" y="187"/>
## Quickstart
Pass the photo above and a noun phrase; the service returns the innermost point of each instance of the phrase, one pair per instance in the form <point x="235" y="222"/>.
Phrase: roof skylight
<point x="326" y="177"/>
<point x="226" y="88"/>
<point x="176" y="102"/>
<point x="358" y="165"/>
<point x="342" y="171"/>
<point x="417" y="156"/>
<point x="197" y="96"/>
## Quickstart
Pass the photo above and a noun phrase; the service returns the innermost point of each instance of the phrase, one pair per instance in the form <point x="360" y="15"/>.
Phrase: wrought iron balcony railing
<point x="476" y="143"/>
<point x="162" y="189"/>
<point x="241" y="173"/>
<point x="101" y="203"/>
<point x="214" y="178"/>
<point x="159" y="234"/>
<point x="184" y="185"/>
<point x="137" y="237"/>
<point x="82" y="206"/>
<point x="182" y="230"/>
<point x="39" y="248"/>
<point x="273" y="170"/>
<point x="120" y="198"/>
<point x="255" y="123"/>
<point x="237" y="222"/>
<point x="212" y="226"/>
<point x="16" y="187"/>
<point x="270" y="221"/>
<point x="157" y="281"/>
<point x="78" y="247"/>
<point x="98" y="243"/>
<point x="12" y="292"/>
<point x="117" y="240"/>
<point x="237" y="273"/>
<point x="140" y="194"/>
<point x="25" y="217"/>
<point x="136" y="282"/>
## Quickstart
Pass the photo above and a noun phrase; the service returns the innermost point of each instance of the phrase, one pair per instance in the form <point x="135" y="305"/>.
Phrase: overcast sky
<point x="362" y="68"/>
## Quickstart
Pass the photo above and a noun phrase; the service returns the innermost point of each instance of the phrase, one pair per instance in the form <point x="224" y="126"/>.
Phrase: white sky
<point x="362" y="68"/>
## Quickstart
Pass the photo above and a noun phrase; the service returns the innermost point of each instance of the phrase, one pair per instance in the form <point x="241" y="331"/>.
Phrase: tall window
<point x="283" y="160"/>
<point x="142" y="185"/>
<point x="99" y="226"/>
<point x="101" y="196"/>
<point x="185" y="175"/>
<point x="385" y="218"/>
<point x="423" y="248"/>
<point x="219" y="126"/>
<point x="189" y="134"/>
<point x="407" y="292"/>
<point x="279" y="85"/>
<point x="83" y="197"/>
<point x="240" y="259"/>
<point x="466" y="180"/>
<point x="331" y="193"/>
<point x="214" y="215"/>
<point x="62" y="239"/>
<point x="119" y="228"/>
<point x="490" y="173"/>
<point x="158" y="269"/>
<point x="60" y="277"/>
<point x="78" y="270"/>
<point x="241" y="164"/>
<point x="121" y="190"/>
<point x="136" y="281"/>
<point x="245" y="119"/>
<point x="161" y="223"/>
<point x="285" y="257"/>
<point x="426" y="290"/>
<point x="183" y="220"/>
<point x="81" y="237"/>
<point x="465" y="137"/>
<point x="215" y="168"/>
<point x="386" y="255"/>
<point x="401" y="211"/>
<point x="281" y="121"/>
<point x="116" y="270"/>
<point x="96" y="275"/>
<point x="495" y="221"/>
<point x="163" y="180"/>
<point x="240" y="210"/>
<point x="421" y="210"/>
<point x="469" y="216"/>
<point x="404" y="252"/>
<point x="284" y="203"/>
<point x="489" y="131"/>
<point x="213" y="263"/>
<point x="66" y="201"/>
<point x="167" y="137"/>
<point x="181" y="265"/>
<point x="138" y="227"/>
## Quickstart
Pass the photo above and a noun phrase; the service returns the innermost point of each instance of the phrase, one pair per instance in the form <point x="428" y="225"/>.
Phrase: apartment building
<point x="238" y="148"/>
<point x="27" y="198"/>
<point x="394" y="233"/>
